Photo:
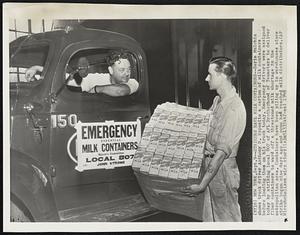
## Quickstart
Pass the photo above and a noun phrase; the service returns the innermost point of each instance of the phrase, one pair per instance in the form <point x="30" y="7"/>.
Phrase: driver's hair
<point x="114" y="56"/>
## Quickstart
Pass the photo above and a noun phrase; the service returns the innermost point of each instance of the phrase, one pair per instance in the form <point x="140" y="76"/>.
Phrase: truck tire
<point x="19" y="215"/>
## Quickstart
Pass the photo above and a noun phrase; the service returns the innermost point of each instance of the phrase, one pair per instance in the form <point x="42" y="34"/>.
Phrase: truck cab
<point x="44" y="182"/>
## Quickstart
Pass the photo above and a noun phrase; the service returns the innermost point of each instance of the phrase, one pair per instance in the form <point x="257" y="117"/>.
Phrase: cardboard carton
<point x="174" y="168"/>
<point x="146" y="162"/>
<point x="153" y="141"/>
<point x="199" y="144"/>
<point x="171" y="146"/>
<point x="180" y="146"/>
<point x="195" y="168"/>
<point x="165" y="166"/>
<point x="189" y="149"/>
<point x="137" y="160"/>
<point x="162" y="144"/>
<point x="184" y="168"/>
<point x="155" y="164"/>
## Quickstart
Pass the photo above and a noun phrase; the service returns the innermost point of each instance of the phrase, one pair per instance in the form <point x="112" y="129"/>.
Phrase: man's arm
<point x="209" y="174"/>
<point x="212" y="168"/>
<point x="112" y="90"/>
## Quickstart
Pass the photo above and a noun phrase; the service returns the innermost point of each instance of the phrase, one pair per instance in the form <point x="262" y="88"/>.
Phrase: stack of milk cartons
<point x="172" y="144"/>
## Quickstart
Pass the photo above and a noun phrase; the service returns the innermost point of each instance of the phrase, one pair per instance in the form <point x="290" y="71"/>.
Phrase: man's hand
<point x="193" y="190"/>
<point x="31" y="72"/>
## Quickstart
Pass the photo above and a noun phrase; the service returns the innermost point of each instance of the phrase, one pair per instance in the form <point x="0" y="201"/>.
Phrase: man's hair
<point x="226" y="66"/>
<point x="114" y="56"/>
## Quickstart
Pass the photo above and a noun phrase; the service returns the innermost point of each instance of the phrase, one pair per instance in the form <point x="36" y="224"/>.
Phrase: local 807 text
<point x="109" y="160"/>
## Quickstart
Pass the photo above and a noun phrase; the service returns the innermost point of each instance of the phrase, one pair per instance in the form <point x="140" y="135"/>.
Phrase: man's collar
<point x="229" y="97"/>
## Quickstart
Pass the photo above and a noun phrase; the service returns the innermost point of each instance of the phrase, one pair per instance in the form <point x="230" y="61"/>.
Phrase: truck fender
<point x="31" y="186"/>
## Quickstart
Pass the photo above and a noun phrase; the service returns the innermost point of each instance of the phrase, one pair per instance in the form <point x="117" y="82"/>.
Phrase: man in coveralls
<point x="221" y="176"/>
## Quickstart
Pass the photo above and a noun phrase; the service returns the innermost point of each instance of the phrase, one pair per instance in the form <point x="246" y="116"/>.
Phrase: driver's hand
<point x="32" y="71"/>
<point x="29" y="74"/>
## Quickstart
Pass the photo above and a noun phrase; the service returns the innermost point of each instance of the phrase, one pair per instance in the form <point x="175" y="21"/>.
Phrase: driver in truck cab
<point x="116" y="82"/>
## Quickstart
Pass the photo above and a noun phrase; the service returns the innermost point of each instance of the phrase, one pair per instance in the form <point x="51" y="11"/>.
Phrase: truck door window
<point x="92" y="64"/>
<point x="25" y="58"/>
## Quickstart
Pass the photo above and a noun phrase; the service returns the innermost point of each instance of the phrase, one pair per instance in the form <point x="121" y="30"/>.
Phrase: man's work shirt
<point x="227" y="125"/>
<point x="101" y="79"/>
<point x="226" y="129"/>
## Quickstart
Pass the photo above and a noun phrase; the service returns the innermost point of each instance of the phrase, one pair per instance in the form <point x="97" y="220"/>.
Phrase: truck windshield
<point x="24" y="61"/>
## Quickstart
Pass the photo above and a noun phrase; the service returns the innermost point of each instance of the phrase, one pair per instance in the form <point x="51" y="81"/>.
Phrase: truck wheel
<point x="17" y="214"/>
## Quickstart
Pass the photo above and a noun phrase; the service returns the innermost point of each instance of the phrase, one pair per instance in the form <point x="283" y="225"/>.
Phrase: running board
<point x="126" y="209"/>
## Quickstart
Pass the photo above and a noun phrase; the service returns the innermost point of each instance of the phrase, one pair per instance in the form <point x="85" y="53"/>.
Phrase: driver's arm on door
<point x="112" y="90"/>
<point x="116" y="90"/>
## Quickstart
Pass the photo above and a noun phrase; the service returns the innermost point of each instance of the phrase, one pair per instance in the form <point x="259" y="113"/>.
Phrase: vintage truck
<point x="44" y="184"/>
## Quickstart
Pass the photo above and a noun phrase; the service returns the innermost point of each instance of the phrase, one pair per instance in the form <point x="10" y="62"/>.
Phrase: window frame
<point x="108" y="99"/>
<point x="43" y="42"/>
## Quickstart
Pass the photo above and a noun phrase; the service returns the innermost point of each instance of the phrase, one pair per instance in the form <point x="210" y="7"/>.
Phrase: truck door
<point x="73" y="188"/>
